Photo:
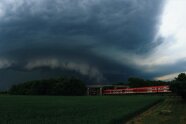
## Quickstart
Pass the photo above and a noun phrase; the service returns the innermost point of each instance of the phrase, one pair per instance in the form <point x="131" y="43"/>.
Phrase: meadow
<point x="72" y="110"/>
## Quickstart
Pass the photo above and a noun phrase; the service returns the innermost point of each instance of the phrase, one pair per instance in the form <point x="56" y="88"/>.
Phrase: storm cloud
<point x="105" y="40"/>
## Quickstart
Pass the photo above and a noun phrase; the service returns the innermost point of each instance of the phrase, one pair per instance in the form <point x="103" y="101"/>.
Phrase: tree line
<point x="139" y="82"/>
<point x="59" y="86"/>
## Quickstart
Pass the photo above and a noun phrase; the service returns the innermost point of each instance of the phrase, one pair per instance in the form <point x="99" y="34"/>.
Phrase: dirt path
<point x="170" y="111"/>
<point x="138" y="119"/>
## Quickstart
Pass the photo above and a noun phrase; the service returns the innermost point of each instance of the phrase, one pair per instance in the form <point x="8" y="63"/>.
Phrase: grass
<point x="171" y="111"/>
<point x="71" y="110"/>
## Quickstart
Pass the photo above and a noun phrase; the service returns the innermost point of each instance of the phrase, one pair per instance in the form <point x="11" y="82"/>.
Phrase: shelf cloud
<point x="105" y="40"/>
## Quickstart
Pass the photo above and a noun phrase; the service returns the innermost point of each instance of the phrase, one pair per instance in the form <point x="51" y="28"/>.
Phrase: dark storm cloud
<point x="54" y="33"/>
<point x="130" y="24"/>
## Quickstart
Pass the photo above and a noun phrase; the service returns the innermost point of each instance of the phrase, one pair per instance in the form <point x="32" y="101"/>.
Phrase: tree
<point x="181" y="77"/>
<point x="178" y="85"/>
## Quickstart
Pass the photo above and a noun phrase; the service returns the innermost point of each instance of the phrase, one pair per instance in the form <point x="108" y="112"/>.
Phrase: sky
<point x="100" y="41"/>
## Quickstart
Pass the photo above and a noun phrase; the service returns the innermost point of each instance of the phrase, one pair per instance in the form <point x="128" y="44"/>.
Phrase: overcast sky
<point x="103" y="40"/>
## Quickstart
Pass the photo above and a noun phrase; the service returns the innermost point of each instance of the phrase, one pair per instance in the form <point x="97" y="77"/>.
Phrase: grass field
<point x="170" y="111"/>
<point x="71" y="110"/>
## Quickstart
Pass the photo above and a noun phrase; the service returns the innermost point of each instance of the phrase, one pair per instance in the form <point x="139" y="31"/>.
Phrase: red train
<point x="139" y="90"/>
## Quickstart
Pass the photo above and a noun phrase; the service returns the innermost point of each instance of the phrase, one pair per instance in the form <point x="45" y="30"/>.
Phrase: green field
<point x="71" y="110"/>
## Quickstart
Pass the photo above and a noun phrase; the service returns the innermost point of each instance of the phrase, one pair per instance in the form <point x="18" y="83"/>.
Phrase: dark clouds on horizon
<point x="85" y="36"/>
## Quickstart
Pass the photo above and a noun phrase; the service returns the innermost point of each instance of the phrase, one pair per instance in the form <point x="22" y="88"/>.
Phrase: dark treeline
<point x="3" y="92"/>
<point x="60" y="86"/>
<point x="138" y="82"/>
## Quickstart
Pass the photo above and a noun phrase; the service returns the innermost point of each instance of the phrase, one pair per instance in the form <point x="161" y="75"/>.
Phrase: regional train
<point x="139" y="90"/>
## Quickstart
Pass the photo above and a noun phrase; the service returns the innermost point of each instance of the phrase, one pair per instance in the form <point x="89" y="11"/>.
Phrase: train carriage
<point x="139" y="90"/>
